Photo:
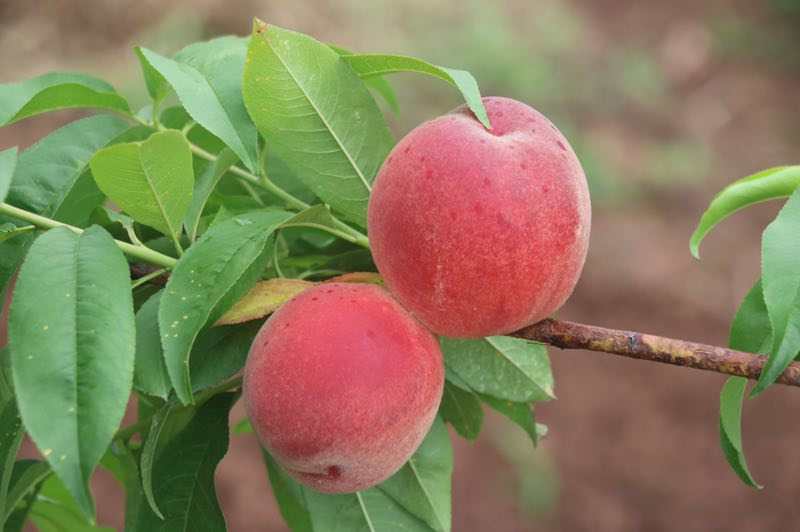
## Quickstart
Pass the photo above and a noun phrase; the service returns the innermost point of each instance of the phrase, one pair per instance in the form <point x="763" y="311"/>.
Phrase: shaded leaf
<point x="423" y="485"/>
<point x="150" y="375"/>
<point x="214" y="273"/>
<point x="462" y="409"/>
<point x="369" y="65"/>
<point x="780" y="278"/>
<point x="263" y="299"/>
<point x="54" y="510"/>
<point x="27" y="476"/>
<point x="769" y="184"/>
<point x="290" y="497"/>
<point x="317" y="116"/>
<point x="501" y="366"/>
<point x="10" y="438"/>
<point x="54" y="91"/>
<point x="210" y="101"/>
<point x="184" y="458"/>
<point x="219" y="353"/>
<point x="520" y="413"/>
<point x="8" y="163"/>
<point x="9" y="231"/>
<point x="152" y="180"/>
<point x="71" y="338"/>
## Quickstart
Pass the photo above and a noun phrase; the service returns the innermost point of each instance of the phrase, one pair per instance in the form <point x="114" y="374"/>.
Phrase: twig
<point x="569" y="335"/>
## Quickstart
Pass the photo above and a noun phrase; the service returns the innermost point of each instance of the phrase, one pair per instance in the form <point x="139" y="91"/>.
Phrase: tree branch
<point x="570" y="335"/>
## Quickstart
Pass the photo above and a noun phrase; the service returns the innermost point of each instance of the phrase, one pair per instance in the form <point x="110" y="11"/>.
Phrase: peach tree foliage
<point x="246" y="178"/>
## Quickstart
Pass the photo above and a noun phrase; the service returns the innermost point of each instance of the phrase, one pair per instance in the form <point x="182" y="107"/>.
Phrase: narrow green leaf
<point x="106" y="218"/>
<point x="290" y="497"/>
<point x="122" y="463"/>
<point x="730" y="427"/>
<point x="152" y="180"/>
<point x="369" y="65"/>
<point x="157" y="86"/>
<point x="27" y="476"/>
<point x="54" y="510"/>
<point x="10" y="438"/>
<point x="423" y="485"/>
<point x="377" y="83"/>
<point x="520" y="414"/>
<point x="8" y="163"/>
<point x="71" y="338"/>
<point x="750" y="331"/>
<point x="205" y="185"/>
<point x="210" y="101"/>
<point x="9" y="231"/>
<point x="219" y="353"/>
<point x="49" y="171"/>
<point x="462" y="409"/>
<point x="54" y="91"/>
<point x="501" y="366"/>
<point x="780" y="273"/>
<point x="214" y="273"/>
<point x="181" y="474"/>
<point x="317" y="116"/>
<point x="150" y="375"/>
<point x="769" y="184"/>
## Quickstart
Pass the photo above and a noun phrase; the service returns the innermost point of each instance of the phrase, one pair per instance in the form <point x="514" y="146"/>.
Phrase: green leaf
<point x="750" y="331"/>
<point x="150" y="375"/>
<point x="520" y="413"/>
<point x="730" y="427"/>
<point x="317" y="116"/>
<point x="501" y="366"/>
<point x="121" y="462"/>
<point x="71" y="338"/>
<point x="50" y="179"/>
<point x="205" y="185"/>
<point x="315" y="217"/>
<point x="219" y="353"/>
<point x="152" y="180"/>
<point x="54" y="510"/>
<point x="780" y="274"/>
<point x="290" y="496"/>
<point x="157" y="86"/>
<point x="263" y="299"/>
<point x="8" y="162"/>
<point x="181" y="475"/>
<point x="377" y="83"/>
<point x="423" y="485"/>
<point x="10" y="438"/>
<point x="769" y="184"/>
<point x="214" y="273"/>
<point x="54" y="91"/>
<point x="210" y="101"/>
<point x="106" y="218"/>
<point x="369" y="65"/>
<point x="9" y="231"/>
<point x="365" y="511"/>
<point x="27" y="476"/>
<point x="462" y="409"/>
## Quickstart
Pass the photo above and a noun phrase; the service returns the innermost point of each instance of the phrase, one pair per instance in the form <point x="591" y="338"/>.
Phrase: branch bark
<point x="570" y="335"/>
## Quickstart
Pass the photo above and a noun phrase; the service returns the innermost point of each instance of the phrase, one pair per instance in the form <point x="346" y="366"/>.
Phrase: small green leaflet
<point x="317" y="116"/>
<point x="152" y="180"/>
<point x="208" y="107"/>
<point x="189" y="444"/>
<point x="462" y="409"/>
<point x="203" y="188"/>
<point x="8" y="162"/>
<point x="27" y="476"/>
<point x="501" y="366"/>
<point x="521" y="414"/>
<point x="9" y="231"/>
<point x="54" y="91"/>
<point x="423" y="485"/>
<point x="750" y="331"/>
<point x="769" y="184"/>
<point x="71" y="338"/>
<point x="780" y="274"/>
<point x="53" y="510"/>
<point x="214" y="273"/>
<point x="370" y="65"/>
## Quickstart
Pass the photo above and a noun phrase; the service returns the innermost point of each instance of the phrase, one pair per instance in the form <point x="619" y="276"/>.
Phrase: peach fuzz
<point x="481" y="232"/>
<point x="341" y="385"/>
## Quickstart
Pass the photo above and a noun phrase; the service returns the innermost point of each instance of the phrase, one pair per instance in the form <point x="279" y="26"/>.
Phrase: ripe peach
<point x="481" y="232"/>
<point x="341" y="386"/>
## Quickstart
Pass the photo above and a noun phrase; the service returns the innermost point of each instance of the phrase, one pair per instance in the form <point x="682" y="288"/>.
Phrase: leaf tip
<point x="259" y="26"/>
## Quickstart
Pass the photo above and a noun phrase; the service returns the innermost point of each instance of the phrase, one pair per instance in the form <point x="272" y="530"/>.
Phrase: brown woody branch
<point x="569" y="335"/>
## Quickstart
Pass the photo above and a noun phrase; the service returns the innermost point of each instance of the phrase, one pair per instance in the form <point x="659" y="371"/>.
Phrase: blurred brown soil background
<point x="665" y="103"/>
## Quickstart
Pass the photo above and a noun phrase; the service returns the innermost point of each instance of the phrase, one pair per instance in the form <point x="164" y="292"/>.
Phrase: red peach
<point x="341" y="385"/>
<point x="481" y="232"/>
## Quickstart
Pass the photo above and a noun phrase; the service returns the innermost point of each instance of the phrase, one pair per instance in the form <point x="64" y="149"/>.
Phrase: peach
<point x="341" y="385"/>
<point x="481" y="232"/>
